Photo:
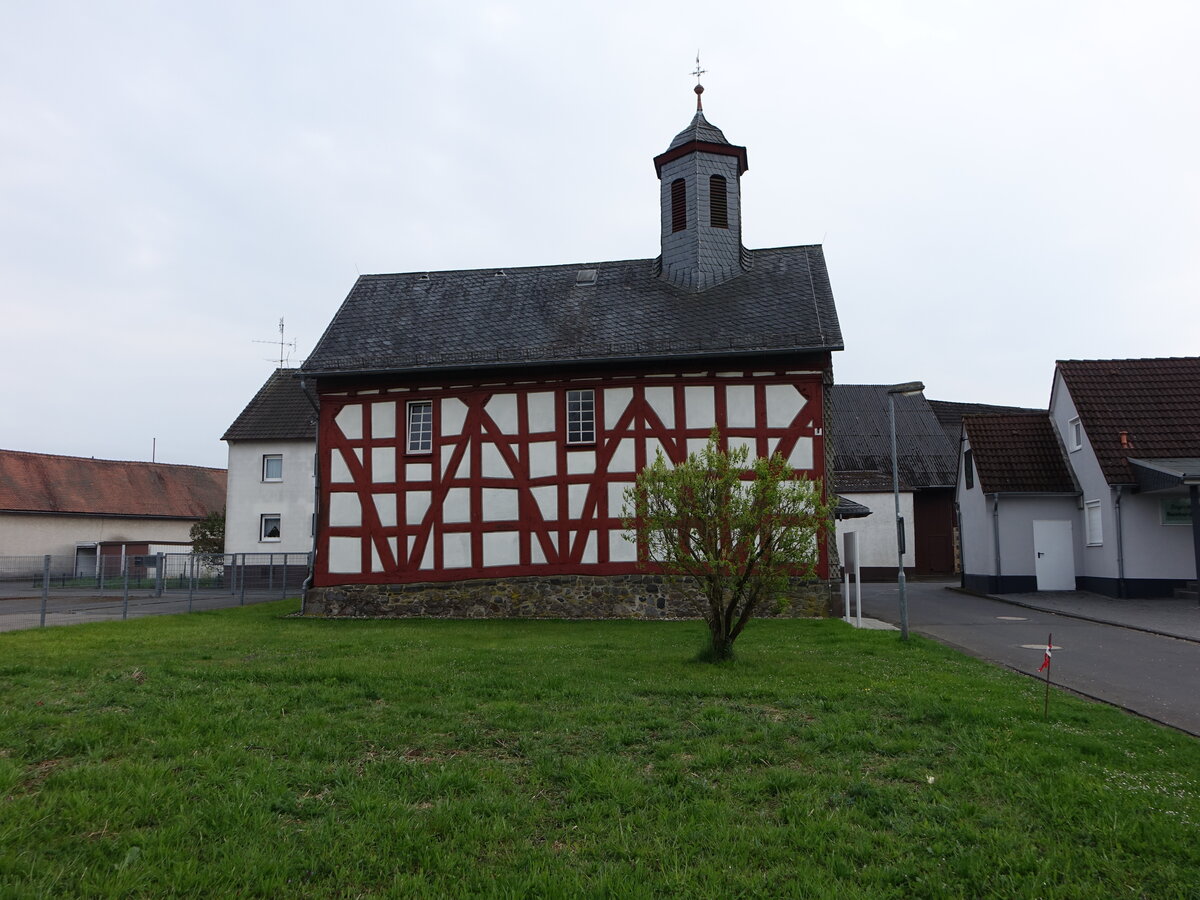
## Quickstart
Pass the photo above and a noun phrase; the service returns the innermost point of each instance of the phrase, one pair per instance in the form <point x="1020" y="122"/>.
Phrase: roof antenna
<point x="284" y="346"/>
<point x="699" y="87"/>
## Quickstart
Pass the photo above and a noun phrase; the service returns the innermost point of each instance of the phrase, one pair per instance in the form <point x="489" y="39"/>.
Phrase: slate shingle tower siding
<point x="701" y="255"/>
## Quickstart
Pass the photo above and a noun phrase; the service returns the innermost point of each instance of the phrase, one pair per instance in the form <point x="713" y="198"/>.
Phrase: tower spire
<point x="699" y="87"/>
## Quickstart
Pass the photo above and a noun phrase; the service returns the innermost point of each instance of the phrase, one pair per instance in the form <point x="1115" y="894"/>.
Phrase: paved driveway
<point x="1150" y="674"/>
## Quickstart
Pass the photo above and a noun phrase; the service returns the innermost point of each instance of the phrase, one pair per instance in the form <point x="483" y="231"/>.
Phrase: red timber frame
<point x="502" y="494"/>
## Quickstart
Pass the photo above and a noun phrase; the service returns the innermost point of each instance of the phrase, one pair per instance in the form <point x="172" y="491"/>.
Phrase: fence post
<point x="125" y="589"/>
<point x="191" y="580"/>
<point x="270" y="571"/>
<point x="283" y="580"/>
<point x="45" y="588"/>
<point x="160" y="576"/>
<point x="242" y="599"/>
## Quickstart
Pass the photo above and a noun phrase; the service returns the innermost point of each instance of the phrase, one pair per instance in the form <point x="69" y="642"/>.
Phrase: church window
<point x="581" y="417"/>
<point x="420" y="426"/>
<point x="718" y="203"/>
<point x="678" y="205"/>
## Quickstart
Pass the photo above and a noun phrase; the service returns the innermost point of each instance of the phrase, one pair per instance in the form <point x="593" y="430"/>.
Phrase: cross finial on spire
<point x="699" y="87"/>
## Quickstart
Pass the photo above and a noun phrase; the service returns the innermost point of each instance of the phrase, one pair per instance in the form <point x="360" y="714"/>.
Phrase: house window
<point x="969" y="468"/>
<point x="420" y="426"/>
<point x="678" y="205"/>
<point x="581" y="417"/>
<point x="1076" y="433"/>
<point x="268" y="527"/>
<point x="272" y="467"/>
<point x="718" y="203"/>
<point x="1092" y="523"/>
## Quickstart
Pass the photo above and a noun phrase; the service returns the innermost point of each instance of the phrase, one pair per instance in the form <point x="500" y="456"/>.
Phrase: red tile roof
<point x="39" y="482"/>
<point x="1155" y="402"/>
<point x="1019" y="452"/>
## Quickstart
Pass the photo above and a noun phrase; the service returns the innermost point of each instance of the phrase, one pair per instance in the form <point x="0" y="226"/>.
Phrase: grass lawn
<point x="236" y="752"/>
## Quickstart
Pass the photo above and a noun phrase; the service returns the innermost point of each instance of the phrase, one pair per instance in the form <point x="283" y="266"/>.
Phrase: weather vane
<point x="699" y="87"/>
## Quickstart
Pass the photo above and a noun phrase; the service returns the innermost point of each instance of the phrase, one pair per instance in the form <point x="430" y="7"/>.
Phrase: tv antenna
<point x="286" y="347"/>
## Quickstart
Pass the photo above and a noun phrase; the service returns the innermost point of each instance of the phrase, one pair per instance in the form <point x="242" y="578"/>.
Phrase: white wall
<point x="248" y="497"/>
<point x="37" y="535"/>
<point x="1017" y="515"/>
<point x="974" y="523"/>
<point x="1152" y="549"/>
<point x="1101" y="561"/>
<point x="877" y="532"/>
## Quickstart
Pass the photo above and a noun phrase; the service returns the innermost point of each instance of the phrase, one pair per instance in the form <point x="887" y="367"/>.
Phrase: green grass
<point x="237" y="752"/>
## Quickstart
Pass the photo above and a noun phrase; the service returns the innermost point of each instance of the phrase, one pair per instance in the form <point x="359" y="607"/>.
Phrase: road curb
<point x="1074" y="615"/>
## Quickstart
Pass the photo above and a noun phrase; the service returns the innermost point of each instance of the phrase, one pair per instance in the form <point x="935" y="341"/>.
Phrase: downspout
<point x="1120" y="547"/>
<point x="996" y="537"/>
<point x="312" y="568"/>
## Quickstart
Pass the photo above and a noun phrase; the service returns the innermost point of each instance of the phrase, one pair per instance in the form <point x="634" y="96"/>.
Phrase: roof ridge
<point x="122" y="462"/>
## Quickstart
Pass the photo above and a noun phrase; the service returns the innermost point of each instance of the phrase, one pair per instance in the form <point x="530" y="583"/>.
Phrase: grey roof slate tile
<point x="862" y="442"/>
<point x="537" y="315"/>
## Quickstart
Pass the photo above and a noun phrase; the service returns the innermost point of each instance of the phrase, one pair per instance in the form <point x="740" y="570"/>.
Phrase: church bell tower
<point x="701" y="205"/>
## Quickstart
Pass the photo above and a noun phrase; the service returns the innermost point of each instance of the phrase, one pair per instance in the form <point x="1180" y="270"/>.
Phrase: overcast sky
<point x="997" y="184"/>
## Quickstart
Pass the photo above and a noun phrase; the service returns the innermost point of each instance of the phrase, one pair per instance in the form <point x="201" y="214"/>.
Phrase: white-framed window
<point x="969" y="468"/>
<point x="1092" y="523"/>
<point x="1075" y="433"/>
<point x="420" y="426"/>
<point x="581" y="416"/>
<point x="272" y="467"/>
<point x="268" y="526"/>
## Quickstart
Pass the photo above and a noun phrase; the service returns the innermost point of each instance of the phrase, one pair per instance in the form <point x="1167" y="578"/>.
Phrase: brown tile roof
<point x="39" y="482"/>
<point x="950" y="414"/>
<point x="1156" y="402"/>
<point x="1019" y="452"/>
<point x="279" y="411"/>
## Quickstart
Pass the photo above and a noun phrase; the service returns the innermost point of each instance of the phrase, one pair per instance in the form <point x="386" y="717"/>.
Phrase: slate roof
<point x="1018" y="453"/>
<point x="699" y="129"/>
<point x="279" y="411"/>
<point x="862" y="443"/>
<point x="42" y="483"/>
<point x="950" y="414"/>
<point x="1155" y="401"/>
<point x="538" y="315"/>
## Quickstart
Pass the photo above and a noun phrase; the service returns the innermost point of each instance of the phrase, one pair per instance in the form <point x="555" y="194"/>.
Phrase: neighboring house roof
<point x="279" y="411"/>
<point x="539" y="315"/>
<point x="1018" y="453"/>
<point x="862" y="441"/>
<point x="42" y="483"/>
<point x="1155" y="403"/>
<point x="950" y="414"/>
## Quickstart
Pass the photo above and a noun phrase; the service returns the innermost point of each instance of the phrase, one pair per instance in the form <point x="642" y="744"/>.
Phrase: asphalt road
<point x="1157" y="677"/>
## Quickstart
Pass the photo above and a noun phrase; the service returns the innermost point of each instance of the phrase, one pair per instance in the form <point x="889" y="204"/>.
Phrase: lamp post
<point x="908" y="389"/>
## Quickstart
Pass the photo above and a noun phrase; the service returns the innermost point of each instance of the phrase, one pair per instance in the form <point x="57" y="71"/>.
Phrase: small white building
<point x="96" y="512"/>
<point x="1099" y="494"/>
<point x="272" y="447"/>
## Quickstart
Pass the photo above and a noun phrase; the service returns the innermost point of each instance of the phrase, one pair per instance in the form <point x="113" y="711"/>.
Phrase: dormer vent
<point x="500" y="273"/>
<point x="586" y="277"/>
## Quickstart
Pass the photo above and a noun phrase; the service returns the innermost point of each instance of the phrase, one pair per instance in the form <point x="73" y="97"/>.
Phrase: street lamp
<point x="908" y="389"/>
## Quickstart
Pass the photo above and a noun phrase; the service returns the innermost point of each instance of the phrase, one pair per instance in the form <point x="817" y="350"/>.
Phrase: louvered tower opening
<point x="678" y="205"/>
<point x="718" y="203"/>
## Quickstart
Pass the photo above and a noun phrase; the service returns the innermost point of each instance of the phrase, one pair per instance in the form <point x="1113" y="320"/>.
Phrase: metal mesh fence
<point x="58" y="590"/>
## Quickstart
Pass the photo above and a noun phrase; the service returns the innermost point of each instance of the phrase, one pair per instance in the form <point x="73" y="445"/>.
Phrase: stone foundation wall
<point x="549" y="597"/>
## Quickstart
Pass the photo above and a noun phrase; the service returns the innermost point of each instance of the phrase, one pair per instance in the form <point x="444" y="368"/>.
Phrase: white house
<point x="272" y="446"/>
<point x="1099" y="494"/>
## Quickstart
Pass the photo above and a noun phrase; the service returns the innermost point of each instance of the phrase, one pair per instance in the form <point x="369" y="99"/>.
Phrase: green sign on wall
<point x="1177" y="511"/>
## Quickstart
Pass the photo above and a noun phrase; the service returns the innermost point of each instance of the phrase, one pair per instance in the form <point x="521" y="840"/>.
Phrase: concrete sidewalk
<point x="1165" y="616"/>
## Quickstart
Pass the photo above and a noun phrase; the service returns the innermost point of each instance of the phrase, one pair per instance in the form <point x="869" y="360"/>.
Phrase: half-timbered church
<point x="479" y="428"/>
